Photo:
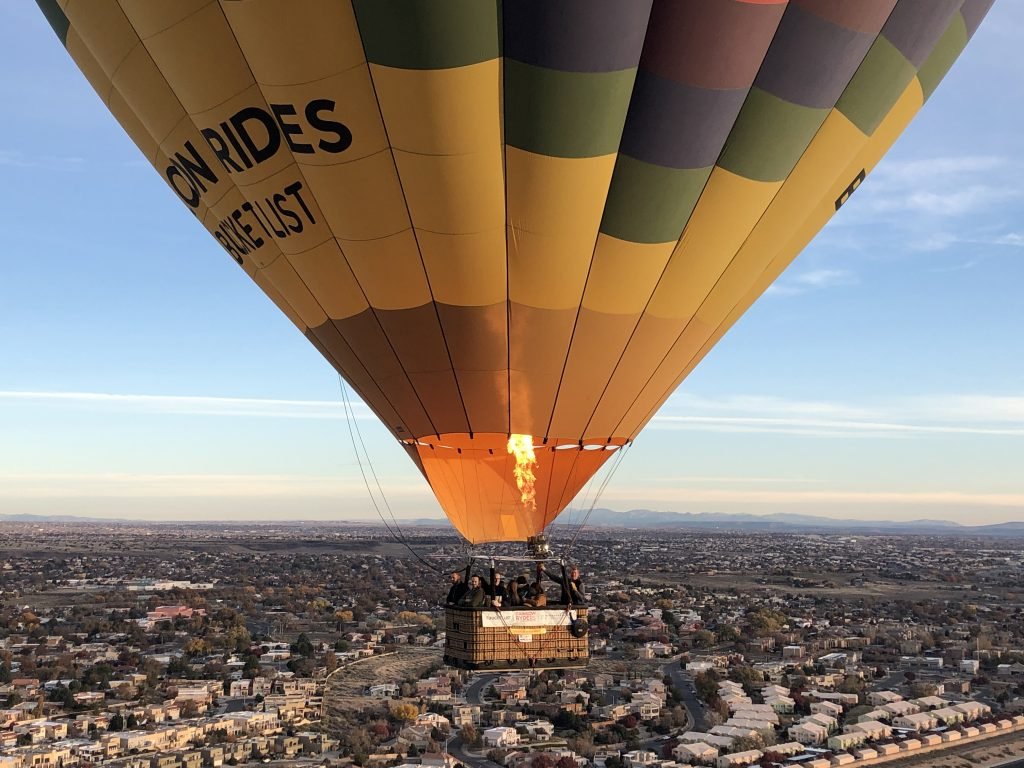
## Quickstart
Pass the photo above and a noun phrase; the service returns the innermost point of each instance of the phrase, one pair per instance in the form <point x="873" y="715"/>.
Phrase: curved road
<point x="474" y="694"/>
<point x="475" y="690"/>
<point x="474" y="760"/>
<point x="683" y="684"/>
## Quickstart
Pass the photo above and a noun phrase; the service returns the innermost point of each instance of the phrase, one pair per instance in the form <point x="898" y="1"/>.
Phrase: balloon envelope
<point x="532" y="217"/>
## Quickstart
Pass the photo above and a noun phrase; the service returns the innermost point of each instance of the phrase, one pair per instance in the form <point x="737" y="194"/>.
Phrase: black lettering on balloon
<point x="281" y="111"/>
<point x="226" y="129"/>
<point x="191" y="193"/>
<point x="256" y="241"/>
<point x="227" y="226"/>
<point x="242" y="121"/>
<point x="225" y="230"/>
<point x="841" y="200"/>
<point x="296" y="222"/>
<point x="293" y="190"/>
<point x="195" y="166"/>
<point x="340" y="130"/>
<point x="248" y="208"/>
<point x="220" y="150"/>
<point x="263" y="214"/>
<point x="228" y="247"/>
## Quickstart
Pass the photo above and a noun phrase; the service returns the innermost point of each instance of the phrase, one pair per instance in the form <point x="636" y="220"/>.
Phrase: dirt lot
<point x="625" y="667"/>
<point x="346" y="687"/>
<point x="1000" y="750"/>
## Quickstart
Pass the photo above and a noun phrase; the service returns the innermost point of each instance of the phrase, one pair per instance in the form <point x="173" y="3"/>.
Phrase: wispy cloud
<point x="1015" y="239"/>
<point x="927" y="415"/>
<point x="195" y="405"/>
<point x="16" y="159"/>
<point x="811" y="280"/>
<point x="953" y="414"/>
<point x="197" y="485"/>
<point x="931" y="205"/>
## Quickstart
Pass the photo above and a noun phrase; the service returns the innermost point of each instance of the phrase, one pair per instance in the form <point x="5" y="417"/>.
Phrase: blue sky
<point x="141" y="375"/>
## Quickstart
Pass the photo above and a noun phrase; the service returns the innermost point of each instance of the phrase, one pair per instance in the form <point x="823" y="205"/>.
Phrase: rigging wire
<point x="575" y="512"/>
<point x="621" y="453"/>
<point x="353" y="431"/>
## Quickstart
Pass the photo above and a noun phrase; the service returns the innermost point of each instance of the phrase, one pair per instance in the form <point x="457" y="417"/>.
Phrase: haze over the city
<point x="141" y="376"/>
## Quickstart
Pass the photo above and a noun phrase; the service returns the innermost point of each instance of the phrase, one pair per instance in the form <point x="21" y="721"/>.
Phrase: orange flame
<point x="521" y="446"/>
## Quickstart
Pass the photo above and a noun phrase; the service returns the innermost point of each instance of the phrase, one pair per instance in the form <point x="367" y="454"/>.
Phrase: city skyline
<point x="877" y="379"/>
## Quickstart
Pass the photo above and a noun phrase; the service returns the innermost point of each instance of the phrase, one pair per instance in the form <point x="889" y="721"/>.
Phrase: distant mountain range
<point x="789" y="523"/>
<point x="648" y="519"/>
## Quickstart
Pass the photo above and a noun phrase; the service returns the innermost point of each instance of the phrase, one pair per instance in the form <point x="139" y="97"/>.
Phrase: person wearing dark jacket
<point x="517" y="591"/>
<point x="497" y="592"/>
<point x="574" y="594"/>
<point x="475" y="597"/>
<point x="572" y="589"/>
<point x="457" y="590"/>
<point x="535" y="597"/>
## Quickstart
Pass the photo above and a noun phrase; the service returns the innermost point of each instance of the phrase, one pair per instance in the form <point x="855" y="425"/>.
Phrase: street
<point x="458" y="749"/>
<point x="683" y="684"/>
<point x="474" y="692"/>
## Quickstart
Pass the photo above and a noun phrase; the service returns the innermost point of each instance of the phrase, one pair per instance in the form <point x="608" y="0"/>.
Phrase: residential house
<point x="737" y="759"/>
<point x="918" y="721"/>
<point x="843" y="741"/>
<point x="501" y="736"/>
<point x="880" y="698"/>
<point x="640" y="758"/>
<point x="699" y="752"/>
<point x="826" y="708"/>
<point x="808" y="733"/>
<point x="871" y="729"/>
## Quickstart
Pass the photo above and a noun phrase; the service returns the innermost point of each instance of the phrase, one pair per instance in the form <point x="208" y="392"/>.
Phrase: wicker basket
<point x="515" y="638"/>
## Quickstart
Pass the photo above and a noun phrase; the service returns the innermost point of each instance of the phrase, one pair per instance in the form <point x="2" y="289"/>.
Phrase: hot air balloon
<point x="514" y="228"/>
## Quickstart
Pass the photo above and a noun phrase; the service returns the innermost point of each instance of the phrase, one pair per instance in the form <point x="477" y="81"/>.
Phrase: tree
<point x="404" y="712"/>
<point x="920" y="690"/>
<point x="748" y="677"/>
<point x="238" y="639"/>
<point x="747" y="743"/>
<point x="302" y="646"/>
<point x="706" y="684"/>
<point x="542" y="760"/>
<point x="566" y="762"/>
<point x="703" y="638"/>
<point x="116" y="723"/>
<point x="468" y="733"/>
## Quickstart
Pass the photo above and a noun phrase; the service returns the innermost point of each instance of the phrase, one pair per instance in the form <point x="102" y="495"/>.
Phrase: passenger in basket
<point x="572" y="590"/>
<point x="457" y="589"/>
<point x="575" y="589"/>
<point x="476" y="597"/>
<point x="536" y="597"/>
<point x="497" y="592"/>
<point x="517" y="591"/>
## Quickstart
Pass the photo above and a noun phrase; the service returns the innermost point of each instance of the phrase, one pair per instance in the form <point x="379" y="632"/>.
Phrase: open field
<point x="346" y="689"/>
<point x="1000" y="750"/>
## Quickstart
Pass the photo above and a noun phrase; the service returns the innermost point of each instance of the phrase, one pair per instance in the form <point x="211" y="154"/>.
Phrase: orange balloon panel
<point x="473" y="478"/>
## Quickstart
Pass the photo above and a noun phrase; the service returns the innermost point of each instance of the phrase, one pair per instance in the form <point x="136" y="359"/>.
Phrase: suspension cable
<point x="354" y="431"/>
<point x="597" y="496"/>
